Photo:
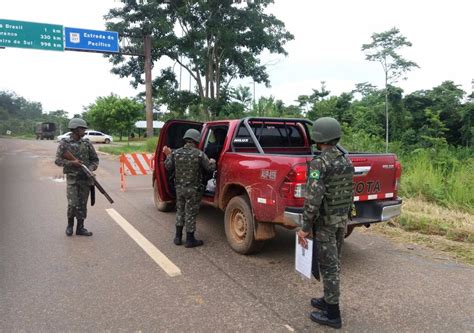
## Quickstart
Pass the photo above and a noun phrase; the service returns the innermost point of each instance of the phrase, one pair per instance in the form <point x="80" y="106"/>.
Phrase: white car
<point x="93" y="136"/>
<point x="63" y="136"/>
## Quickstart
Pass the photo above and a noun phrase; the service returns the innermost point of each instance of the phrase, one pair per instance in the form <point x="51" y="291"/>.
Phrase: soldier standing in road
<point x="78" y="183"/>
<point x="329" y="197"/>
<point x="189" y="165"/>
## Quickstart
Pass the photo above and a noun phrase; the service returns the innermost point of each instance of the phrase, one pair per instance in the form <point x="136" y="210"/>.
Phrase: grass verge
<point x="118" y="148"/>
<point x="435" y="227"/>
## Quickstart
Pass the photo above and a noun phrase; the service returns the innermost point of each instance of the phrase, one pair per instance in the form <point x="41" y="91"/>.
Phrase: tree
<point x="447" y="99"/>
<point x="432" y="132"/>
<point x="242" y="95"/>
<point x="113" y="114"/>
<point x="383" y="49"/>
<point x="215" y="41"/>
<point x="17" y="114"/>
<point x="399" y="119"/>
<point x="467" y="128"/>
<point x="18" y="107"/>
<point x="60" y="117"/>
<point x="366" y="115"/>
<point x="307" y="102"/>
<point x="264" y="107"/>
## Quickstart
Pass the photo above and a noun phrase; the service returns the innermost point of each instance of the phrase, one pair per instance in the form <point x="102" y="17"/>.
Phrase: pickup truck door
<point x="171" y="135"/>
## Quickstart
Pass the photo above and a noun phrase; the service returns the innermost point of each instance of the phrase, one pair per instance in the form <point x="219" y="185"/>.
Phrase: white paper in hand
<point x="304" y="258"/>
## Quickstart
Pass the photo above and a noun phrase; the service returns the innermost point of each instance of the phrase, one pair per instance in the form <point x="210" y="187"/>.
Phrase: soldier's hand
<point x="212" y="161"/>
<point x="166" y="150"/>
<point x="302" y="238"/>
<point x="75" y="163"/>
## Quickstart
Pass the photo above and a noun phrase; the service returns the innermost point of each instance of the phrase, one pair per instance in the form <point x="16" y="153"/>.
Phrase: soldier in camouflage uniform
<point x="328" y="202"/>
<point x="189" y="165"/>
<point x="78" y="183"/>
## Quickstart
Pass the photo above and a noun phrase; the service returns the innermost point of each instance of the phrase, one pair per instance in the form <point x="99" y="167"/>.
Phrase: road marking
<point x="155" y="254"/>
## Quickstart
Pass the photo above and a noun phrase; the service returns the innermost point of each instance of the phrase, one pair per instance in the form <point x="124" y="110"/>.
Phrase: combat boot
<point x="319" y="303"/>
<point x="191" y="241"/>
<point x="331" y="317"/>
<point x="80" y="230"/>
<point x="70" y="226"/>
<point x="179" y="235"/>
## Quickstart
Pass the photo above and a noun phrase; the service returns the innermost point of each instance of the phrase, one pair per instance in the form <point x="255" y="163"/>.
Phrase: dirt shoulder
<point x="449" y="233"/>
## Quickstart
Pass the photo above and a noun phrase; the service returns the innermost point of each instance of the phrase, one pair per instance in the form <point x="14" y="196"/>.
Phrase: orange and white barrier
<point x="136" y="164"/>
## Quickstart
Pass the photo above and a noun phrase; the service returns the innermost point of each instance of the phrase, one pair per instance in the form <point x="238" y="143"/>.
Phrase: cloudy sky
<point x="327" y="47"/>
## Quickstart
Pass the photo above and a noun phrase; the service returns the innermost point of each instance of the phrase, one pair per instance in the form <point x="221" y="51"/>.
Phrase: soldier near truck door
<point x="78" y="183"/>
<point x="328" y="202"/>
<point x="189" y="165"/>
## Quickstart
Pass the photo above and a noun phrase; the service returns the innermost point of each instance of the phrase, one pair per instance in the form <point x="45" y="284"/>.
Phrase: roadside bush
<point x="148" y="146"/>
<point x="445" y="177"/>
<point x="151" y="144"/>
<point x="360" y="141"/>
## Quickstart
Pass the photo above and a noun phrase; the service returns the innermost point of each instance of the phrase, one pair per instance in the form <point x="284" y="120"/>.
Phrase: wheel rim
<point x="238" y="225"/>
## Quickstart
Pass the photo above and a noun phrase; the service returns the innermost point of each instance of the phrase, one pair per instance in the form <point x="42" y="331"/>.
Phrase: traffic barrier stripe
<point x="136" y="164"/>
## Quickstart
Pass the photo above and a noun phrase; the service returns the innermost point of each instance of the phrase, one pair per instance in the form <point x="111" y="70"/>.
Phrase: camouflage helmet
<point x="77" y="122"/>
<point x="326" y="129"/>
<point x="192" y="134"/>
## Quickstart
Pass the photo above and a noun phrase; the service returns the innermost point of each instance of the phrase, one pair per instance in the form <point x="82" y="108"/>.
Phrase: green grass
<point x="439" y="228"/>
<point x="440" y="178"/>
<point x="118" y="148"/>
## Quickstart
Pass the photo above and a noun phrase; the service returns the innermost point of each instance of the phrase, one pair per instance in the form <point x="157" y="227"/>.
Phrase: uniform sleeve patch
<point x="315" y="174"/>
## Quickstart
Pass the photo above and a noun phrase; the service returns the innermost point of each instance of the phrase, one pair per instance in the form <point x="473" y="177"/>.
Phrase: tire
<point x="107" y="141"/>
<point x="240" y="226"/>
<point x="162" y="206"/>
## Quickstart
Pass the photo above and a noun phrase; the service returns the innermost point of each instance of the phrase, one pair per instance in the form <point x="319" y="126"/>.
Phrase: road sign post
<point x="31" y="35"/>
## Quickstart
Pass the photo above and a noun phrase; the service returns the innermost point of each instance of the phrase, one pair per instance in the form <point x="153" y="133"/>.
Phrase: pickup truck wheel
<point x="162" y="206"/>
<point x="240" y="226"/>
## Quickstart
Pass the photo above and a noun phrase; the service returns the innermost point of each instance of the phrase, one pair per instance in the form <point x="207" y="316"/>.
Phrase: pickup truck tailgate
<point x="375" y="176"/>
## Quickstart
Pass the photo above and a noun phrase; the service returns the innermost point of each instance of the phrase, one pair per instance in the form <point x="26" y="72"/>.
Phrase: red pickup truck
<point x="261" y="176"/>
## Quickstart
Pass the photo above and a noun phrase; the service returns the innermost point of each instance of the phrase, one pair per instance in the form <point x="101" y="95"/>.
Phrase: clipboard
<point x="304" y="258"/>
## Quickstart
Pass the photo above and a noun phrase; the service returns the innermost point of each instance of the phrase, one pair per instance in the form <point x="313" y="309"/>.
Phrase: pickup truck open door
<point x="171" y="135"/>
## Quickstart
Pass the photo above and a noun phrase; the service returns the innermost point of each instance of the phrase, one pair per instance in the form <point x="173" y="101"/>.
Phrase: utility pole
<point x="148" y="87"/>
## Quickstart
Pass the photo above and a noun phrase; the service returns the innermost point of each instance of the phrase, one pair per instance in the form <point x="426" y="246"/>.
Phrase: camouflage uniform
<point x="189" y="164"/>
<point x="328" y="200"/>
<point x="78" y="183"/>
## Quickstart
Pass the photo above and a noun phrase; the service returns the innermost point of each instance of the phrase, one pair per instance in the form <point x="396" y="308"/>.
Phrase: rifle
<point x="315" y="261"/>
<point x="70" y="157"/>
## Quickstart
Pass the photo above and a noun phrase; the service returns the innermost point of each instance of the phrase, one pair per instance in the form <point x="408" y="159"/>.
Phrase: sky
<point x="327" y="47"/>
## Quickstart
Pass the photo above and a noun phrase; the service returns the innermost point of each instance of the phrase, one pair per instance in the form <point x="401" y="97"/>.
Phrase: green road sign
<point x="31" y="35"/>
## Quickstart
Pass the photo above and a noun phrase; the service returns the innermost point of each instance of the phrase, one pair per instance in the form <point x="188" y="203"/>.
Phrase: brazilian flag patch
<point x="315" y="174"/>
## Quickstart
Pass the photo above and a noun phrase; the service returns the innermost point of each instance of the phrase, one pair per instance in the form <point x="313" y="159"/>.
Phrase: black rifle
<point x="69" y="156"/>
<point x="315" y="261"/>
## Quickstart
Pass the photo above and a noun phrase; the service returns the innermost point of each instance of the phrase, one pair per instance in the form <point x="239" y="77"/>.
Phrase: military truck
<point x="45" y="130"/>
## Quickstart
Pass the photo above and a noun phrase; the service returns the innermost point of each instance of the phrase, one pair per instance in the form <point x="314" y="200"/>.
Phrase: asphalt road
<point x="50" y="282"/>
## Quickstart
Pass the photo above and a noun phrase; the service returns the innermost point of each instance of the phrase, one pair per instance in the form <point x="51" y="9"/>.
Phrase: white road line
<point x="155" y="254"/>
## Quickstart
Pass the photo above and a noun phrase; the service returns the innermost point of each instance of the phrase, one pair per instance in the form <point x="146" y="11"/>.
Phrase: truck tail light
<point x="398" y="174"/>
<point x="294" y="185"/>
<point x="300" y="191"/>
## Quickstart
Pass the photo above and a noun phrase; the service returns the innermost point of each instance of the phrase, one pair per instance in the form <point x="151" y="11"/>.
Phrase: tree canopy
<point x="215" y="41"/>
<point x="384" y="49"/>
<point x="113" y="114"/>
